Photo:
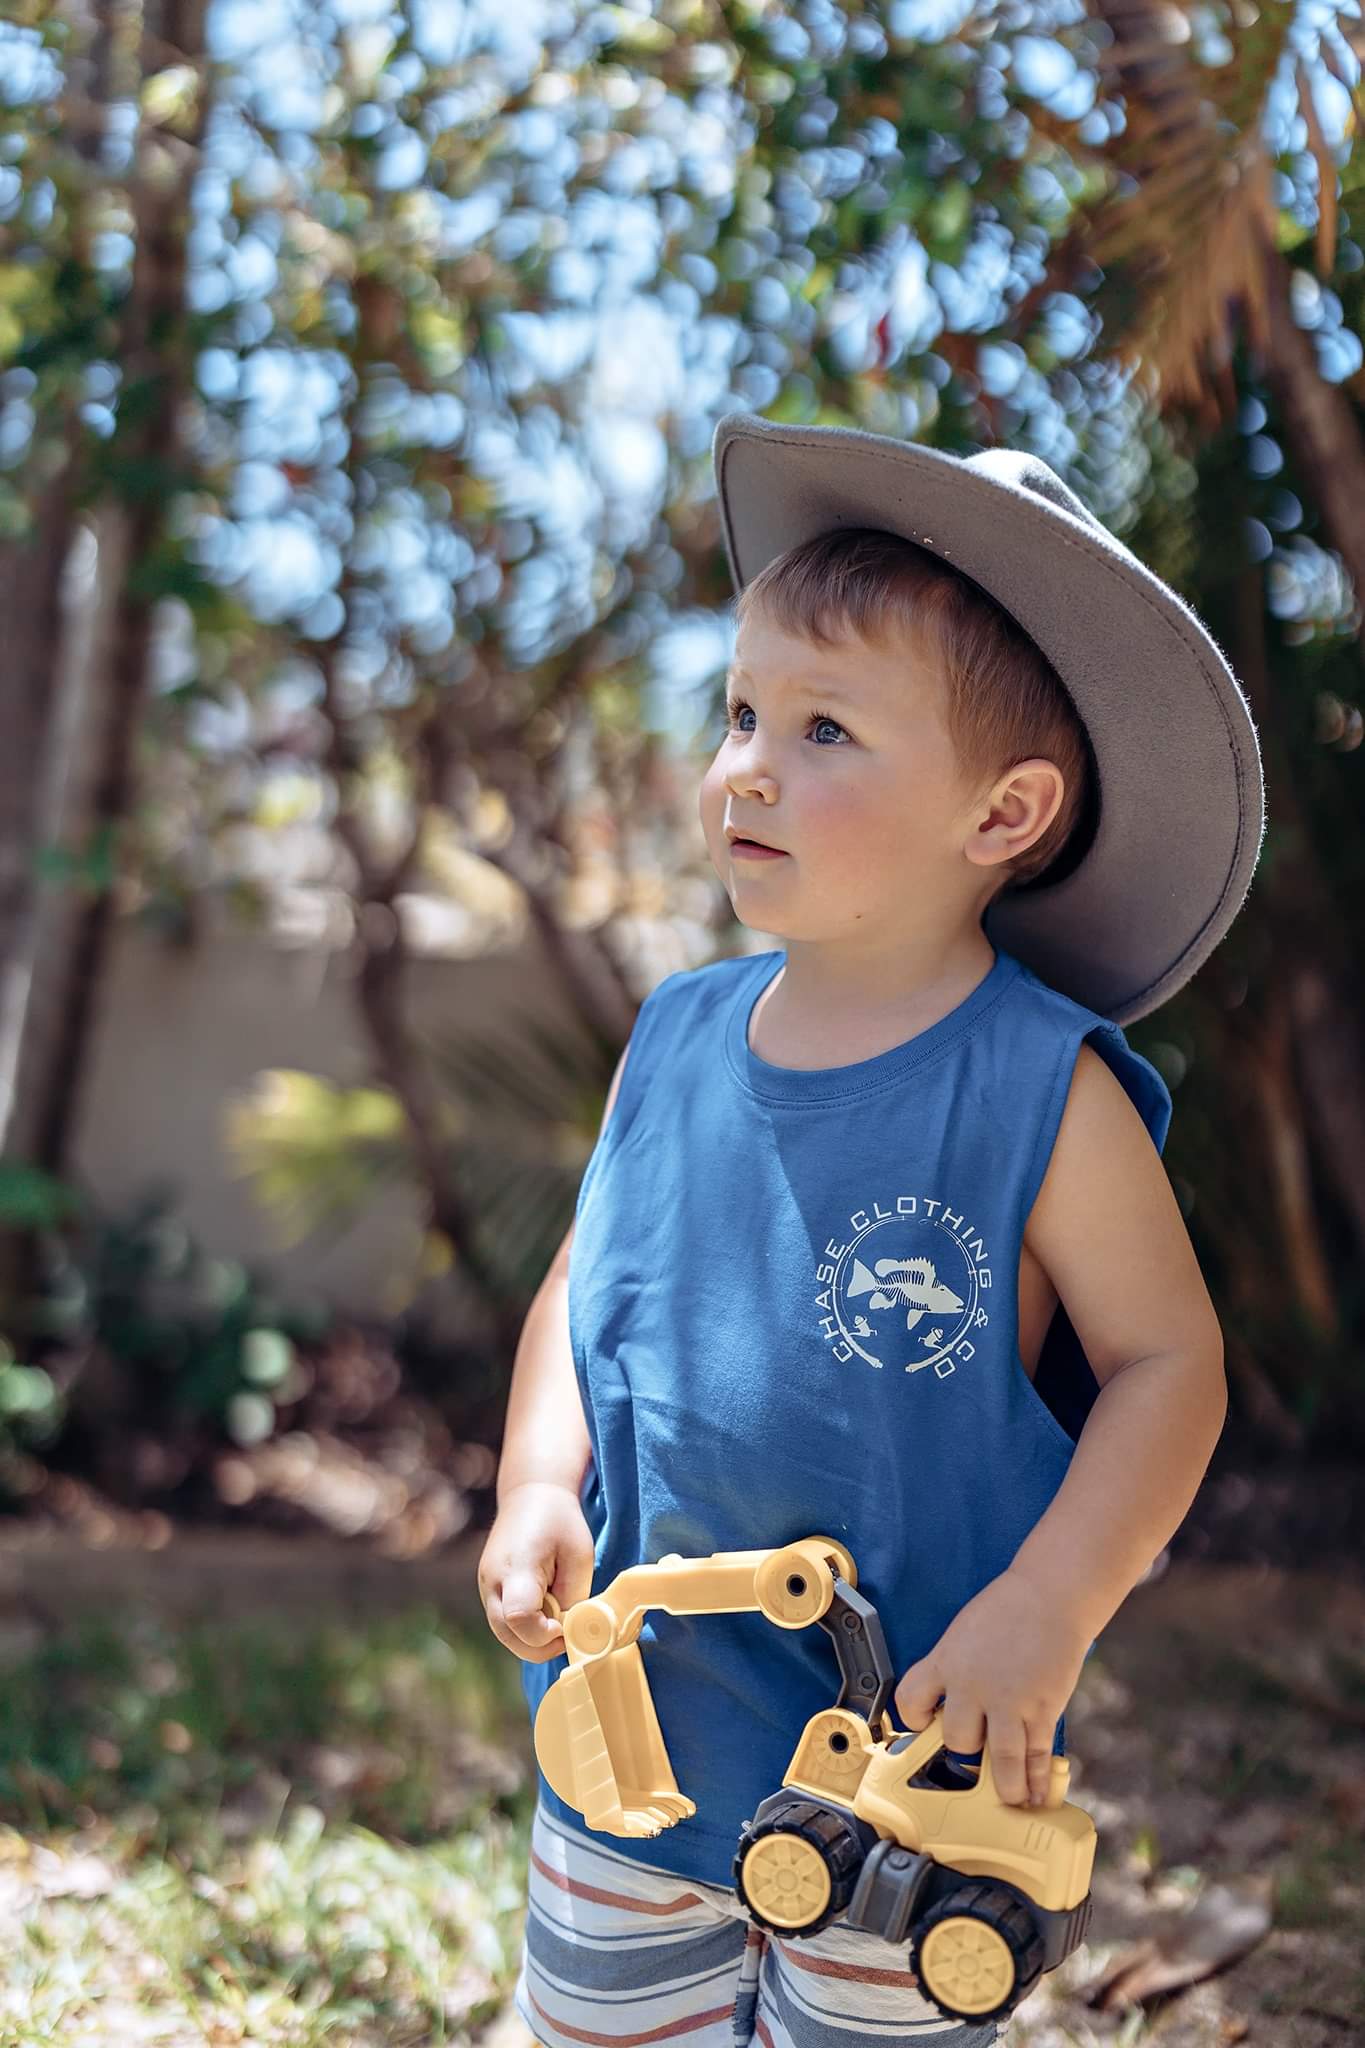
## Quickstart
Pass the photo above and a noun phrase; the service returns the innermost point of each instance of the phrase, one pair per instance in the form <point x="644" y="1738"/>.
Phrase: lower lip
<point x="752" y="852"/>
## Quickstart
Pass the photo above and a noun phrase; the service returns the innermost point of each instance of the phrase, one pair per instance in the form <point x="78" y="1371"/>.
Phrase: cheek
<point x="866" y="835"/>
<point x="711" y="800"/>
<point x="831" y="814"/>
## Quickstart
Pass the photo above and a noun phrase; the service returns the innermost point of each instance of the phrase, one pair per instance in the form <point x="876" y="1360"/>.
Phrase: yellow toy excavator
<point x="870" y="1822"/>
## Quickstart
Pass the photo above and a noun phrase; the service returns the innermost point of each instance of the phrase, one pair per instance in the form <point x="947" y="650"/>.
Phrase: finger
<point x="1038" y="1764"/>
<point x="964" y="1726"/>
<point x="486" y="1576"/>
<point x="498" y="1623"/>
<point x="572" y="1581"/>
<point x="1009" y="1746"/>
<point x="523" y="1606"/>
<point x="919" y="1694"/>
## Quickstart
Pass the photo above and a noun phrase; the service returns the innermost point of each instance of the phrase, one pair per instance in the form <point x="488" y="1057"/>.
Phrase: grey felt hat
<point x="1181" y="801"/>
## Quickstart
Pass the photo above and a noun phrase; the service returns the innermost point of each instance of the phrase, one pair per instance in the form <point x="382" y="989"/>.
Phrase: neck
<point x="854" y="1001"/>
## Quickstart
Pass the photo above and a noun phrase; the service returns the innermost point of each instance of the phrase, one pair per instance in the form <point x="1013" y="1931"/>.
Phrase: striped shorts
<point x="617" y="1954"/>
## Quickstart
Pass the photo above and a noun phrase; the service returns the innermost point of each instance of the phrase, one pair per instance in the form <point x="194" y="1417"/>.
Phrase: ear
<point x="1015" y="813"/>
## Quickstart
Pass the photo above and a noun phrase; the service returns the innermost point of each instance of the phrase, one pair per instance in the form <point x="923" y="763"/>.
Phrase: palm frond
<point x="527" y="1072"/>
<point x="1183" y="233"/>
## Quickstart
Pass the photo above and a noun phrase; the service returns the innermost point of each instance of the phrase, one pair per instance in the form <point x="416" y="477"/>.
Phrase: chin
<point x="754" y="923"/>
<point x="749" y="917"/>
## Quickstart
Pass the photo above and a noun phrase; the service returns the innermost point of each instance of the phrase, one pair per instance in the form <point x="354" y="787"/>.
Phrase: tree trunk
<point x="1324" y="990"/>
<point x="31" y="583"/>
<point x="39" y="969"/>
<point x="1306" y="1275"/>
<point x="1311" y="961"/>
<point x="1318" y="419"/>
<point x="581" y="961"/>
<point x="381" y="996"/>
<point x="34" y="590"/>
<point x="157" y="370"/>
<point x="380" y="949"/>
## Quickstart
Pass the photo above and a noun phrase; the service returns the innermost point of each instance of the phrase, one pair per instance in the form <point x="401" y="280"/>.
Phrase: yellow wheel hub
<point x="786" y="1878"/>
<point x="967" y="1964"/>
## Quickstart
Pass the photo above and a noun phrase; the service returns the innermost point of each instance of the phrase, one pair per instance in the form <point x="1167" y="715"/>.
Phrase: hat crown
<point x="1182" y="814"/>
<point x="1029" y="472"/>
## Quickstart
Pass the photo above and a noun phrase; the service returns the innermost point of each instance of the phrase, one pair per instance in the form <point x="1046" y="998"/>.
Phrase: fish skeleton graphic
<point x="911" y="1283"/>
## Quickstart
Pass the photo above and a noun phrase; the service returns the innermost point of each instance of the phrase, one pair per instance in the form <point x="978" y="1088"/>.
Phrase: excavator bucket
<point x="598" y="1741"/>
<point x="597" y="1736"/>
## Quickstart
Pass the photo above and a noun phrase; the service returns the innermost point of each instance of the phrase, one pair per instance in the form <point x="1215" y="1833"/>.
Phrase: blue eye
<point x="734" y="705"/>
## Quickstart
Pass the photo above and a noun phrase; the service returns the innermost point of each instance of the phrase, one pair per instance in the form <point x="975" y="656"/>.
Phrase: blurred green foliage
<point x="184" y="1719"/>
<point x="522" y="1111"/>
<point x="172" y="1336"/>
<point x="296" y="1830"/>
<point x="200" y="1336"/>
<point x="330" y="332"/>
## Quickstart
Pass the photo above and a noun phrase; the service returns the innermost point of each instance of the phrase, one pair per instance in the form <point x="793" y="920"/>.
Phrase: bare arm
<point x="545" y="1436"/>
<point x="1108" y="1231"/>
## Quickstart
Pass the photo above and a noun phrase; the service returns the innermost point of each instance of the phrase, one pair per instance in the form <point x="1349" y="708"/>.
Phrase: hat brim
<point x="1181" y="797"/>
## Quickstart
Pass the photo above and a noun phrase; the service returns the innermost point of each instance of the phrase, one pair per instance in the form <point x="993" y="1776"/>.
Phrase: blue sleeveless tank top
<point x="793" y="1304"/>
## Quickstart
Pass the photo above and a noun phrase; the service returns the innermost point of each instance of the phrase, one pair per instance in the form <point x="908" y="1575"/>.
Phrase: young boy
<point x="876" y="1241"/>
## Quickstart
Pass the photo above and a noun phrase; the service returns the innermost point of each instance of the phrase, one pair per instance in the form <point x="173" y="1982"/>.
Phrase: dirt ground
<point x="1218" y="1738"/>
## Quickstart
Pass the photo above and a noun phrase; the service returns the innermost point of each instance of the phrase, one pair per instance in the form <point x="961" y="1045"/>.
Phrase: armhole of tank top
<point x="642" y="1058"/>
<point x="1138" y="1078"/>
<point x="1051" y="1121"/>
<point x="1063" y="1383"/>
<point x="641" y="1053"/>
<point x="1062" y="1373"/>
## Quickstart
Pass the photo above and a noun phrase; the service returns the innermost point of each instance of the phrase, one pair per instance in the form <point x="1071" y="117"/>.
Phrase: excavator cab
<point x="870" y="1823"/>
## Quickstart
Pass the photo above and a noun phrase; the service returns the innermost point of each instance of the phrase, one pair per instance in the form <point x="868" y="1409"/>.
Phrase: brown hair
<point x="1003" y="700"/>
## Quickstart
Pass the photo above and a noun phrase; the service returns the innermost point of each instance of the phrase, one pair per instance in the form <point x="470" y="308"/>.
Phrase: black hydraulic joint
<point x="854" y="1627"/>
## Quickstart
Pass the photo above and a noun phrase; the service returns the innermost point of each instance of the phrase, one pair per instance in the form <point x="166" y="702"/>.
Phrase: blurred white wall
<point x="184" y="1031"/>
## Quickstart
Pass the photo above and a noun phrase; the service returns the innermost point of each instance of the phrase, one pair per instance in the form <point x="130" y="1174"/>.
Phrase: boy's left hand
<point x="1005" y="1668"/>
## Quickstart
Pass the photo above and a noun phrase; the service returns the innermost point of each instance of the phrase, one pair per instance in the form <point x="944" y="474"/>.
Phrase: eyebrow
<point x="811" y="688"/>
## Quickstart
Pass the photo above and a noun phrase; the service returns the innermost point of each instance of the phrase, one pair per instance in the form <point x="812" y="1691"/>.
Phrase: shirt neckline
<point x="769" y="1083"/>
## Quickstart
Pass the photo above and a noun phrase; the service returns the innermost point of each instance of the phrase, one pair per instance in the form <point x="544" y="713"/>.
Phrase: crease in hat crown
<point x="1030" y="472"/>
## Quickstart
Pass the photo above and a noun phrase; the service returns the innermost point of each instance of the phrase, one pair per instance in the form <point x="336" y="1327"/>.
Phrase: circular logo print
<point x="905" y="1287"/>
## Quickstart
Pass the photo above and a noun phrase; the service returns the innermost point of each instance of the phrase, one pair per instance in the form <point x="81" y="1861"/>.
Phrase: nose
<point x="747" y="772"/>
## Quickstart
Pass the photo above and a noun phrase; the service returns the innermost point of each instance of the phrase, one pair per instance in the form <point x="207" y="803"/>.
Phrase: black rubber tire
<point x="837" y="1838"/>
<point x="1005" y="1912"/>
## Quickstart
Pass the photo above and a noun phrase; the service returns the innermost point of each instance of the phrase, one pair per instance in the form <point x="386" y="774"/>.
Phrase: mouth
<point x="741" y="842"/>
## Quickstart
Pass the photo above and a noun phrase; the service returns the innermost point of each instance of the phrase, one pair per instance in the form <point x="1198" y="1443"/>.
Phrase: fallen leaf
<point x="1186" y="1944"/>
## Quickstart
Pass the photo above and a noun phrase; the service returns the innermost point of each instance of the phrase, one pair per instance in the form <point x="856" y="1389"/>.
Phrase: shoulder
<point x="1096" y="1067"/>
<point x="1103" y="1156"/>
<point x="674" y="1013"/>
<point x="1099" y="1110"/>
<point x="695" y="991"/>
<point x="1108" y="1231"/>
<point x="685" y="1005"/>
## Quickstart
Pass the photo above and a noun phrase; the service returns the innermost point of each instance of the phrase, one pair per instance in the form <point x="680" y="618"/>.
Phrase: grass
<point x="260" y="1834"/>
<point x="306" y="1830"/>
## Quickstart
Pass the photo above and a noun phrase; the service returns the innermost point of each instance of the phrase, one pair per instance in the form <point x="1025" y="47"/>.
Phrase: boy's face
<point x="867" y="805"/>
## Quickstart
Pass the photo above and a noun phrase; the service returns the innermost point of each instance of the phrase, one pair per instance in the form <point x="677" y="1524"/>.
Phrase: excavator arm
<point x="865" y="1823"/>
<point x="597" y="1735"/>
